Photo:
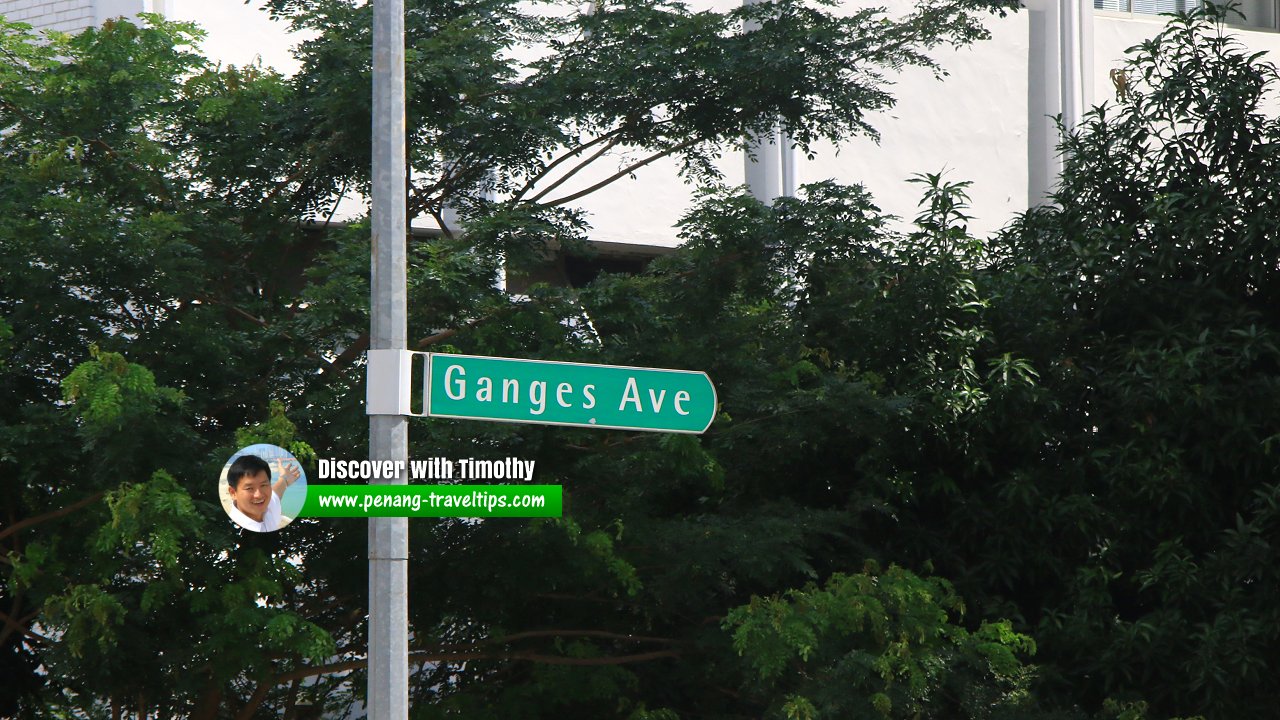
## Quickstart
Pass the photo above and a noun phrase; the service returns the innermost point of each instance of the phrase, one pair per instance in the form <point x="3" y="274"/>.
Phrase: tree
<point x="1107" y="479"/>
<point x="1072" y="422"/>
<point x="166" y="306"/>
<point x="1153" y="417"/>
<point x="1068" y="426"/>
<point x="878" y="645"/>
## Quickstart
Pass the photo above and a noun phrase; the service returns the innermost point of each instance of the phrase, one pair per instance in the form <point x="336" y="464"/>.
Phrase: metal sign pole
<point x="388" y="697"/>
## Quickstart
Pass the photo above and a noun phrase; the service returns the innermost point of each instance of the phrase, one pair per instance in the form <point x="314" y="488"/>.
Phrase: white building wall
<point x="985" y="123"/>
<point x="971" y="125"/>
<point x="61" y="15"/>
<point x="239" y="32"/>
<point x="104" y="10"/>
<point x="1115" y="32"/>
<point x="74" y="15"/>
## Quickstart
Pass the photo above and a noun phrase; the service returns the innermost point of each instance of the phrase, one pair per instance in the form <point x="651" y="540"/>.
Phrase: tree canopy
<point x="951" y="477"/>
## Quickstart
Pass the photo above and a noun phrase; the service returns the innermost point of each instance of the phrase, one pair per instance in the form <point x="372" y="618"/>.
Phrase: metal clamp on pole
<point x="387" y="374"/>
<point x="388" y="382"/>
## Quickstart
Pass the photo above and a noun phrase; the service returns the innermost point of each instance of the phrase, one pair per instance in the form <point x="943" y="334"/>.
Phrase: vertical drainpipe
<point x="788" y="165"/>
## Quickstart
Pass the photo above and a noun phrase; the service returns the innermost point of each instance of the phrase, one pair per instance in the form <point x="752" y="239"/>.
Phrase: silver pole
<point x="388" y="434"/>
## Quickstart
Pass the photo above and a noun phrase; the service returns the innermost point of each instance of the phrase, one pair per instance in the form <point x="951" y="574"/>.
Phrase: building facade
<point x="73" y="15"/>
<point x="989" y="122"/>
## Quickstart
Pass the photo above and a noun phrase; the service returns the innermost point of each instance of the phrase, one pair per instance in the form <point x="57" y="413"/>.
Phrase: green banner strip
<point x="475" y="501"/>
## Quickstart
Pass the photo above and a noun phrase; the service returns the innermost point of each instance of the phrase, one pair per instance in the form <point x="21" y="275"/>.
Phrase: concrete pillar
<point x="769" y="161"/>
<point x="1059" y="82"/>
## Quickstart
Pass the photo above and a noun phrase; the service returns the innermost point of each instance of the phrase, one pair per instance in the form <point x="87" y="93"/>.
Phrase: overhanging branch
<point x="624" y="172"/>
<point x="52" y="515"/>
<point x="455" y="657"/>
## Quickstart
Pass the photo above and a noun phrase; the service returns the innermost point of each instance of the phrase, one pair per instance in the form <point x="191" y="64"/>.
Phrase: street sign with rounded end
<point x="473" y="387"/>
<point x="563" y="393"/>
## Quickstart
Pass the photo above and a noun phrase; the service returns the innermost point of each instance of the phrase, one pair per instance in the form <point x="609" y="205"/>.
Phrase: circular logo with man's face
<point x="262" y="487"/>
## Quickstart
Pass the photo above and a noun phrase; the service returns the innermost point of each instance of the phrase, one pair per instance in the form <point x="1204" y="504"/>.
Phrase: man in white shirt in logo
<point x="255" y="501"/>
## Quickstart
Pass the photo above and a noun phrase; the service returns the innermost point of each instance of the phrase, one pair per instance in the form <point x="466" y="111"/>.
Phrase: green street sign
<point x="562" y="393"/>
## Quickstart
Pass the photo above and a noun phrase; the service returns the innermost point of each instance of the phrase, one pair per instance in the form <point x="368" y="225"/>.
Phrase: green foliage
<point x="110" y="393"/>
<point x="878" y="645"/>
<point x="627" y="84"/>
<point x="277" y="430"/>
<point x="1069" y="425"/>
<point x="91" y="615"/>
<point x="149" y="210"/>
<point x="1122" y="491"/>
<point x="6" y="335"/>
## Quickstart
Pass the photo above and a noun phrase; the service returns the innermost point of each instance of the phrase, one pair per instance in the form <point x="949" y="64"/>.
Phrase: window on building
<point x="1257" y="13"/>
